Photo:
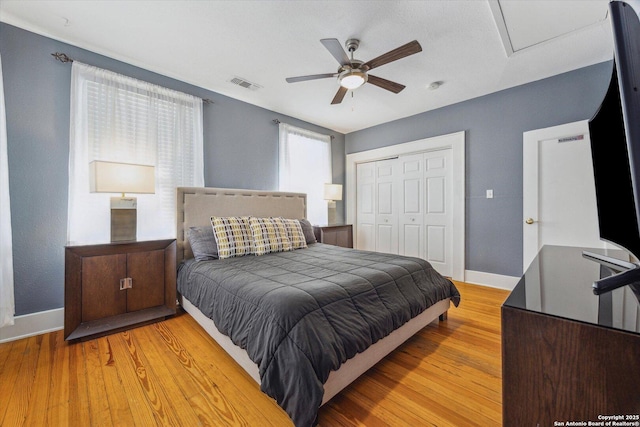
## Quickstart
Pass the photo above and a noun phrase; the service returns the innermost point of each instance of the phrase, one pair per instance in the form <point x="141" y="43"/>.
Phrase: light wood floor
<point x="172" y="373"/>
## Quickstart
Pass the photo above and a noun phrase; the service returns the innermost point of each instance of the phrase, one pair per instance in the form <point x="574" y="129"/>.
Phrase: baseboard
<point x="32" y="324"/>
<point x="490" y="279"/>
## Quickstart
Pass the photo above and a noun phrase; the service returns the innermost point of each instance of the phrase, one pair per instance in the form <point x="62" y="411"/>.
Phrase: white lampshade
<point x="110" y="177"/>
<point x="333" y="192"/>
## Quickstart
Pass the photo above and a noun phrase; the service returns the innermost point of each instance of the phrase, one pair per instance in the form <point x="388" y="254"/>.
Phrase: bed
<point x="331" y="328"/>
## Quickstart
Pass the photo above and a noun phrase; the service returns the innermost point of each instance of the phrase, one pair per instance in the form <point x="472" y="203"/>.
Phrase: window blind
<point x="305" y="166"/>
<point x="120" y="119"/>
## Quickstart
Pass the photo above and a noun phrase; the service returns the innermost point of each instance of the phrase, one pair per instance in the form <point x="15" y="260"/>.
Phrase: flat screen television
<point x="615" y="146"/>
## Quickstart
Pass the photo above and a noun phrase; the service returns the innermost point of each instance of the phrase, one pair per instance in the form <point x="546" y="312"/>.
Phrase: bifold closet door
<point x="386" y="207"/>
<point x="405" y="206"/>
<point x="411" y="206"/>
<point x="438" y="185"/>
<point x="366" y="206"/>
<point x="377" y="206"/>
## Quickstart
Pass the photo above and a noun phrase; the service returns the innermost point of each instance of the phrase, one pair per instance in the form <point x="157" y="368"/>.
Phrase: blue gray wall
<point x="240" y="151"/>
<point x="494" y="125"/>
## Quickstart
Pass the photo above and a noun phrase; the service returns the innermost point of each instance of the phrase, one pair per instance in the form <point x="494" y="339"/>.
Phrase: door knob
<point x="529" y="221"/>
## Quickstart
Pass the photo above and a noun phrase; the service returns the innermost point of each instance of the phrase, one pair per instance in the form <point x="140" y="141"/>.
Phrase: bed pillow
<point x="307" y="229"/>
<point x="203" y="243"/>
<point x="295" y="233"/>
<point x="269" y="235"/>
<point x="233" y="236"/>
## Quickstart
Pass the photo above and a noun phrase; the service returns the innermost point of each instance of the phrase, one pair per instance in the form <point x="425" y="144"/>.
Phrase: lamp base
<point x="331" y="217"/>
<point x="124" y="219"/>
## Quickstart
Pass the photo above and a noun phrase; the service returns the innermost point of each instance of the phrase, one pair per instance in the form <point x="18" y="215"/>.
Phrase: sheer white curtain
<point x="7" y="303"/>
<point x="121" y="119"/>
<point x="305" y="166"/>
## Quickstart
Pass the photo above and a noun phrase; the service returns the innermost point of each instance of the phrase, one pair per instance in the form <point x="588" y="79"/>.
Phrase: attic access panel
<point x="523" y="24"/>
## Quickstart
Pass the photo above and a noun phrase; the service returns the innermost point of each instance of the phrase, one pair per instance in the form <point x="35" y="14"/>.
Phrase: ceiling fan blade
<point x="311" y="77"/>
<point x="398" y="53"/>
<point x="339" y="95"/>
<point x="385" y="84"/>
<point x="335" y="48"/>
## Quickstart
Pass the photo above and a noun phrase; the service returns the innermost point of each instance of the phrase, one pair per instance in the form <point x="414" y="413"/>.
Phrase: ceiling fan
<point x="353" y="73"/>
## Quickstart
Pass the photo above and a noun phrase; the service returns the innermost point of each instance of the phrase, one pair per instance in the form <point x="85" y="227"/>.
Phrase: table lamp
<point x="332" y="192"/>
<point x="110" y="177"/>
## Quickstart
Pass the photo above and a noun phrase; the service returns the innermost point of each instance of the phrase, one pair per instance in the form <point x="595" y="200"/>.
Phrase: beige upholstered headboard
<point x="196" y="205"/>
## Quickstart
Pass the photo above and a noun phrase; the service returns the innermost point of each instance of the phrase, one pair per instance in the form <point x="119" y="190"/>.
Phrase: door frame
<point x="455" y="142"/>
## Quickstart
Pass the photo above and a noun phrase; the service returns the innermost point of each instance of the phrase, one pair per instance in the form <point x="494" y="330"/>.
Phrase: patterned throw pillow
<point x="233" y="236"/>
<point x="295" y="233"/>
<point x="269" y="235"/>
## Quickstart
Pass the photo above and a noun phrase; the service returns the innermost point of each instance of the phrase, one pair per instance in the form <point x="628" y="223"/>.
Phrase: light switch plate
<point x="489" y="194"/>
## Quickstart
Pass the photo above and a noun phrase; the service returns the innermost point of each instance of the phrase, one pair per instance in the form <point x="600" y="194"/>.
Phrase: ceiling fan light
<point x="352" y="79"/>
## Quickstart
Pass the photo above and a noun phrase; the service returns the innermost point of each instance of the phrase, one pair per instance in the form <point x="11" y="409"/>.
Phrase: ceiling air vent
<point x="245" y="83"/>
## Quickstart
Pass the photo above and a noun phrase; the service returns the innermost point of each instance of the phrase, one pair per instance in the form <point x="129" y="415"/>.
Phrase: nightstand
<point x="112" y="287"/>
<point x="337" y="235"/>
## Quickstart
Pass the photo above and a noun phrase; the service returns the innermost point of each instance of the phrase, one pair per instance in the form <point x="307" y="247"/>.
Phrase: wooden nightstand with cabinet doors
<point x="337" y="235"/>
<point x="113" y="287"/>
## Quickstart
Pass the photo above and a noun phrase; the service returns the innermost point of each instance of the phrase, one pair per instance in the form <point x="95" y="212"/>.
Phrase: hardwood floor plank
<point x="453" y="391"/>
<point x="360" y="407"/>
<point x="78" y="391"/>
<point x="9" y="373"/>
<point x="39" y="396"/>
<point x="58" y="410"/>
<point x="114" y="390"/>
<point x="5" y="350"/>
<point x="19" y="398"/>
<point x="143" y="412"/>
<point x="156" y="396"/>
<point x="230" y="382"/>
<point x="173" y="373"/>
<point x="210" y="405"/>
<point x="174" y="386"/>
<point x="99" y="409"/>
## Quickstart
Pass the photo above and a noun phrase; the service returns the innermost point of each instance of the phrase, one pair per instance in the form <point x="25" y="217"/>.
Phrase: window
<point x="121" y="119"/>
<point x="305" y="166"/>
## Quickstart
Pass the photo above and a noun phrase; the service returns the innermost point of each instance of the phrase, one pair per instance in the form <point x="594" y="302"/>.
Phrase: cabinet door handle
<point x="126" y="283"/>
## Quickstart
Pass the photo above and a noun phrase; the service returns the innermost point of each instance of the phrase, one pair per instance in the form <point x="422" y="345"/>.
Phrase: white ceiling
<point x="207" y="43"/>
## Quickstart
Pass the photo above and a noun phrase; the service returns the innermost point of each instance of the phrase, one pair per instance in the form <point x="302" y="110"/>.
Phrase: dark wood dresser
<point x="568" y="354"/>
<point x="336" y="234"/>
<point x="111" y="287"/>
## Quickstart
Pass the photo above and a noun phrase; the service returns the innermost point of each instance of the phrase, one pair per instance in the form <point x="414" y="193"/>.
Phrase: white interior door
<point x="366" y="202"/>
<point x="559" y="199"/>
<point x="438" y="173"/>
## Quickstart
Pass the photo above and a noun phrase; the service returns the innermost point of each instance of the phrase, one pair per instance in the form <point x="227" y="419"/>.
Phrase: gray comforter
<point x="301" y="314"/>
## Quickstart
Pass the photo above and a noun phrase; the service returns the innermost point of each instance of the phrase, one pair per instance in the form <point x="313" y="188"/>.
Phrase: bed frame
<point x="195" y="207"/>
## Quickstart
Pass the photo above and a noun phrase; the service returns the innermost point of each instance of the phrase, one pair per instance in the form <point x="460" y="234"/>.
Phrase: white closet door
<point x="439" y="210"/>
<point x="386" y="206"/>
<point x="411" y="207"/>
<point x="366" y="206"/>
